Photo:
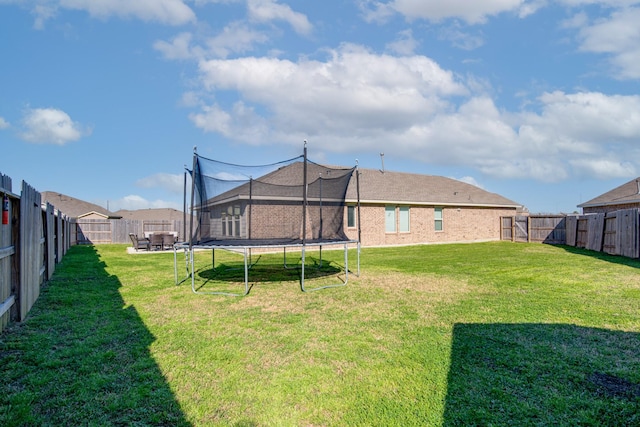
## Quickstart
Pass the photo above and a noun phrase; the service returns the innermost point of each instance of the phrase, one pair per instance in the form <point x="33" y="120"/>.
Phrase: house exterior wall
<point x="609" y="208"/>
<point x="459" y="224"/>
<point x="463" y="224"/>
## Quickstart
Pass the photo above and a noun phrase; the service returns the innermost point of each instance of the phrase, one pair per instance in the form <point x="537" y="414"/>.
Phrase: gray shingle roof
<point x="394" y="187"/>
<point x="624" y="194"/>
<point x="73" y="207"/>
<point x="161" y="214"/>
<point x="400" y="187"/>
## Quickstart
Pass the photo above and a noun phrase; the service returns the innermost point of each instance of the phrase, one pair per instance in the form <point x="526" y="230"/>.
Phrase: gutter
<point x="449" y="204"/>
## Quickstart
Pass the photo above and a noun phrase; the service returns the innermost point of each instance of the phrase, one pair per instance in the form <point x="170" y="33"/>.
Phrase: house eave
<point x="617" y="202"/>
<point x="429" y="203"/>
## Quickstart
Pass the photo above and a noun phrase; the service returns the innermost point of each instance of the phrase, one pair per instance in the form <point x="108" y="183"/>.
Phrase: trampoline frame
<point x="246" y="252"/>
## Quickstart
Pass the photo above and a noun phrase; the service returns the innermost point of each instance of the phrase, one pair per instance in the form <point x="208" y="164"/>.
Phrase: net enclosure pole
<point x="193" y="186"/>
<point x="304" y="210"/>
<point x="184" y="206"/>
<point x="359" y="222"/>
<point x="304" y="196"/>
<point x="250" y="206"/>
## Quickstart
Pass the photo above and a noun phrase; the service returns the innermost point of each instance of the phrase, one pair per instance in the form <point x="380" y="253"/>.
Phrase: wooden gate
<point x="514" y="228"/>
<point x="521" y="229"/>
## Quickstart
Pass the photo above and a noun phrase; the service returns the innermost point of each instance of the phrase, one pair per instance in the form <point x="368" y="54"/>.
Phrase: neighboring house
<point x="626" y="196"/>
<point x="403" y="208"/>
<point x="76" y="208"/>
<point x="158" y="214"/>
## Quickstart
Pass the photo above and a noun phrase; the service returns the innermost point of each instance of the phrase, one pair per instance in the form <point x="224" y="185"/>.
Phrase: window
<point x="437" y="214"/>
<point x="404" y="219"/>
<point x="390" y="219"/>
<point x="236" y="221"/>
<point x="231" y="221"/>
<point x="351" y="216"/>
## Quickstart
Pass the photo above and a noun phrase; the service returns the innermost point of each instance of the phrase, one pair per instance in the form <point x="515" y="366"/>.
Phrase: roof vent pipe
<point x="638" y="184"/>
<point x="382" y="161"/>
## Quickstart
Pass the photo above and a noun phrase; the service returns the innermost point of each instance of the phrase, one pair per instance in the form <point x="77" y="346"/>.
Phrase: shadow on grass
<point x="81" y="357"/>
<point x="542" y="374"/>
<point x="264" y="269"/>
<point x="616" y="259"/>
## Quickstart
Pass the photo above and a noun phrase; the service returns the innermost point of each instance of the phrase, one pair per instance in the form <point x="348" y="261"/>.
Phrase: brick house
<point x="626" y="196"/>
<point x="402" y="208"/>
<point x="395" y="209"/>
<point x="76" y="208"/>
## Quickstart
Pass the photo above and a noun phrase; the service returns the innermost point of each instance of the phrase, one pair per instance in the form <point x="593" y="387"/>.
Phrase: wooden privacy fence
<point x="616" y="233"/>
<point x="97" y="231"/>
<point x="32" y="241"/>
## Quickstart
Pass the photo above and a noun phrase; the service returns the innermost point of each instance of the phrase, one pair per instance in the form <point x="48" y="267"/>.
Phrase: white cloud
<point x="171" y="182"/>
<point x="405" y="44"/>
<point x="604" y="168"/>
<point x="241" y="123"/>
<point x="579" y="20"/>
<point x="461" y="39"/>
<point x="584" y="134"/>
<point x="619" y="37"/>
<point x="356" y="100"/>
<point x="469" y="180"/>
<point x="51" y="126"/>
<point x="134" y="202"/>
<point x="234" y="38"/>
<point x="472" y="12"/>
<point x="271" y="10"/>
<point x="178" y="48"/>
<point x="4" y="124"/>
<point x="42" y="12"/>
<point x="171" y="12"/>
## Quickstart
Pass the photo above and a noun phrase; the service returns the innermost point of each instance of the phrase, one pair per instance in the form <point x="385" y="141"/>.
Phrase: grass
<point x="444" y="335"/>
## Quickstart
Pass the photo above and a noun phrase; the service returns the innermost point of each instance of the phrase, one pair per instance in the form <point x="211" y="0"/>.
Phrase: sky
<point x="105" y="100"/>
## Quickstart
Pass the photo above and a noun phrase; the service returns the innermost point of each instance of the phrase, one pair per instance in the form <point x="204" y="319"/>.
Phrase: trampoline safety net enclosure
<point x="292" y="203"/>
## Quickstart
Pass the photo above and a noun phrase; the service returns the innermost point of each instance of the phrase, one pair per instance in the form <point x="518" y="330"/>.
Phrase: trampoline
<point x="292" y="205"/>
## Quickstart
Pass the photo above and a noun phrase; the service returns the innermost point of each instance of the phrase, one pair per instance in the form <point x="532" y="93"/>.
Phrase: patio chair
<point x="156" y="240"/>
<point x="168" y="240"/>
<point x="139" y="243"/>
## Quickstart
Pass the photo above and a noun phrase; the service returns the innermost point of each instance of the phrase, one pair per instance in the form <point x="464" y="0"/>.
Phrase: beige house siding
<point x="93" y="215"/>
<point x="460" y="224"/>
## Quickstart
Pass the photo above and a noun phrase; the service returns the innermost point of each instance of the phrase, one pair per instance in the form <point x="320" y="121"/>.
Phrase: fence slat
<point x="628" y="223"/>
<point x="27" y="250"/>
<point x="571" y="229"/>
<point x="595" y="231"/>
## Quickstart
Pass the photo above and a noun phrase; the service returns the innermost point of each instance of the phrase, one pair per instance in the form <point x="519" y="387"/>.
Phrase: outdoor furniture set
<point x="154" y="241"/>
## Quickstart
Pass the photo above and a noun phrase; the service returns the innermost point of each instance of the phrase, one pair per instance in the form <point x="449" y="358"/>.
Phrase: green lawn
<point x="440" y="335"/>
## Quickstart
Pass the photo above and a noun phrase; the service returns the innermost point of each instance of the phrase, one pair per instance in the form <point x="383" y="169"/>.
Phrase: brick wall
<point x="464" y="224"/>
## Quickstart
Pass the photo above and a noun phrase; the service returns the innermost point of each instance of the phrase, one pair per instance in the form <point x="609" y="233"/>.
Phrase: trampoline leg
<point x="346" y="274"/>
<point x="302" y="272"/>
<point x="231" y="294"/>
<point x="284" y="257"/>
<point x="186" y="265"/>
<point x="175" y="266"/>
<point x="193" y="274"/>
<point x="246" y="272"/>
